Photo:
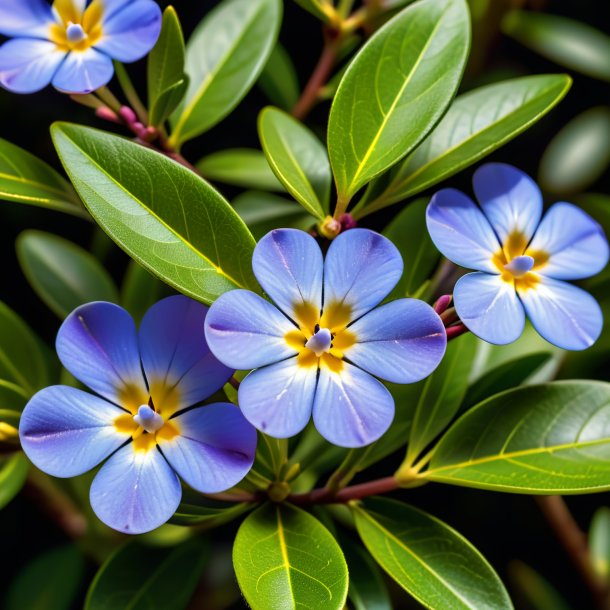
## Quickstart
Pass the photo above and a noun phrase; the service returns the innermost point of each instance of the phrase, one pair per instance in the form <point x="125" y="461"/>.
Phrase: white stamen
<point x="320" y="342"/>
<point x="148" y="419"/>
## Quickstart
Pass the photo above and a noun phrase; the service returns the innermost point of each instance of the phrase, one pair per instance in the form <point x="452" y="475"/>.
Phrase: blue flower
<point x="73" y="42"/>
<point x="521" y="260"/>
<point x="317" y="351"/>
<point x="142" y="417"/>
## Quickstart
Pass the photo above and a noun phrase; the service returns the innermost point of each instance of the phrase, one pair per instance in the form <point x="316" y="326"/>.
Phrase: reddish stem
<point x="455" y="331"/>
<point x="353" y="492"/>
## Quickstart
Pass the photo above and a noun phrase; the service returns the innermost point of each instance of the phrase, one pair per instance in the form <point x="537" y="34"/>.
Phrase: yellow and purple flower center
<point x="76" y="30"/>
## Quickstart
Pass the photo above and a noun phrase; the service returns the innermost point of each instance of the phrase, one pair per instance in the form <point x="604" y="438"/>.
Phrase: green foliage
<point x="12" y="396"/>
<point x="538" y="592"/>
<point x="13" y="473"/>
<point x="279" y="79"/>
<point x="140" y="290"/>
<point x="322" y="9"/>
<point x="599" y="542"/>
<point x="208" y="514"/>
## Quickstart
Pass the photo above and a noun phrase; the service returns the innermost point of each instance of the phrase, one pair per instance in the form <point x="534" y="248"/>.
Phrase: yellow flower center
<point x="76" y="30"/>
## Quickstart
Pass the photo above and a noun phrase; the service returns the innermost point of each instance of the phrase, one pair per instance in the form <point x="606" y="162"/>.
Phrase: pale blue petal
<point x="351" y="408"/>
<point x="402" y="341"/>
<point x="489" y="307"/>
<point x="135" y="491"/>
<point x="278" y="399"/>
<point x="510" y="199"/>
<point x="27" y="65"/>
<point x="460" y="230"/>
<point x="112" y="7"/>
<point x="83" y="72"/>
<point x="31" y="18"/>
<point x="576" y="243"/>
<point x="66" y="432"/>
<point x="244" y="331"/>
<point x="215" y="448"/>
<point x="564" y="315"/>
<point x="360" y="270"/>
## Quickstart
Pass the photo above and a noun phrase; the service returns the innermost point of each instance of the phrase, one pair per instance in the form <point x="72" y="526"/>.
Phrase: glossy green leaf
<point x="322" y="9"/>
<point x="26" y="179"/>
<point x="61" y="273"/>
<point x="208" y="514"/>
<point x="279" y="79"/>
<point x="570" y="43"/>
<point x="245" y="167"/>
<point x="599" y="541"/>
<point x="536" y="590"/>
<point x="427" y="558"/>
<point x="297" y="158"/>
<point x="545" y="439"/>
<point x="140" y="290"/>
<point x="137" y="577"/>
<point x="163" y="215"/>
<point x="13" y="473"/>
<point x="476" y="124"/>
<point x="284" y="558"/>
<point x="396" y="90"/>
<point x="224" y="57"/>
<point x="12" y="396"/>
<point x="51" y="581"/>
<point x="579" y="154"/>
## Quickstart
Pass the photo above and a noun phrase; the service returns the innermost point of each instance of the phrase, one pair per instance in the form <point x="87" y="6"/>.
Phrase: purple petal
<point x="31" y="18"/>
<point x="83" y="72"/>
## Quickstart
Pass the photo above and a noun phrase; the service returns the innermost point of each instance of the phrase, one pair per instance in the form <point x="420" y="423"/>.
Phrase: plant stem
<point x="130" y="92"/>
<point x="109" y="99"/>
<point x="354" y="492"/>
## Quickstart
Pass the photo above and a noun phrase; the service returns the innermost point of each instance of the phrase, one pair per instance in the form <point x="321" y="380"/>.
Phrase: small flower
<point x="73" y="42"/>
<point x="142" y="418"/>
<point x="521" y="260"/>
<point x="317" y="351"/>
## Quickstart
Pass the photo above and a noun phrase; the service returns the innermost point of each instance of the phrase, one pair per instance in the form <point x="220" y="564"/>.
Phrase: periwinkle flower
<point x="145" y="417"/>
<point x="317" y="351"/>
<point x="521" y="259"/>
<point x="73" y="42"/>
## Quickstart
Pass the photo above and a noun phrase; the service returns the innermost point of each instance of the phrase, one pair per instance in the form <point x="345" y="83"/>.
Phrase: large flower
<point x="73" y="42"/>
<point x="521" y="260"/>
<point x="142" y="416"/>
<point x="317" y="351"/>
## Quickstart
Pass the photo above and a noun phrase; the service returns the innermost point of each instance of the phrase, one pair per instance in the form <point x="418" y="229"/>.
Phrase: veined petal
<point x="97" y="343"/>
<point x="135" y="491"/>
<point x="131" y="31"/>
<point x="83" y="72"/>
<point x="178" y="363"/>
<point x="214" y="449"/>
<point x="564" y="315"/>
<point x="361" y="269"/>
<point x="244" y="331"/>
<point x="351" y="407"/>
<point x="575" y="243"/>
<point x="27" y="65"/>
<point x="30" y="18"/>
<point x="510" y="199"/>
<point x="66" y="432"/>
<point x="460" y="230"/>
<point x="402" y="341"/>
<point x="288" y="265"/>
<point x="112" y="7"/>
<point x="489" y="307"/>
<point x="278" y="399"/>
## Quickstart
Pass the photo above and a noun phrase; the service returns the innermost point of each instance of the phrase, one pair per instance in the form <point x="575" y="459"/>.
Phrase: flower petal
<point x="278" y="399"/>
<point x="288" y="265"/>
<point x="576" y="244"/>
<point x="489" y="307"/>
<point x="97" y="343"/>
<point x="66" y="432"/>
<point x="30" y="18"/>
<point x="351" y="407"/>
<point x="175" y="354"/>
<point x="215" y="447"/>
<point x="402" y="341"/>
<point x="244" y="331"/>
<point x="360" y="270"/>
<point x="131" y="31"/>
<point x="135" y="491"/>
<point x="27" y="65"/>
<point x="460" y="230"/>
<point x="564" y="315"/>
<point x="510" y="199"/>
<point x="83" y="72"/>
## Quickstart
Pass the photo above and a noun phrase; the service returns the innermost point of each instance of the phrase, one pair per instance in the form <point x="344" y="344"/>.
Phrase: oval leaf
<point x="279" y="79"/>
<point x="13" y="473"/>
<point x="599" y="542"/>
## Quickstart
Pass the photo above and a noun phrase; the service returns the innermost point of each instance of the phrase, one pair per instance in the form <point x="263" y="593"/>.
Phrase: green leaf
<point x="279" y="79"/>
<point x="546" y="439"/>
<point x="297" y="158"/>
<point x="163" y="215"/>
<point x="13" y="473"/>
<point x="224" y="57"/>
<point x="26" y="179"/>
<point x="50" y="581"/>
<point x="208" y="514"/>
<point x="140" y="290"/>
<point x="536" y="590"/>
<point x="286" y="559"/>
<point x="579" y="154"/>
<point x="395" y="90"/>
<point x="245" y="167"/>
<point x="599" y="542"/>
<point x="476" y="124"/>
<point x="322" y="9"/>
<point x="166" y="80"/>
<point x="427" y="558"/>
<point x="569" y="43"/>
<point x="137" y="577"/>
<point x="61" y="273"/>
<point x="12" y="396"/>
